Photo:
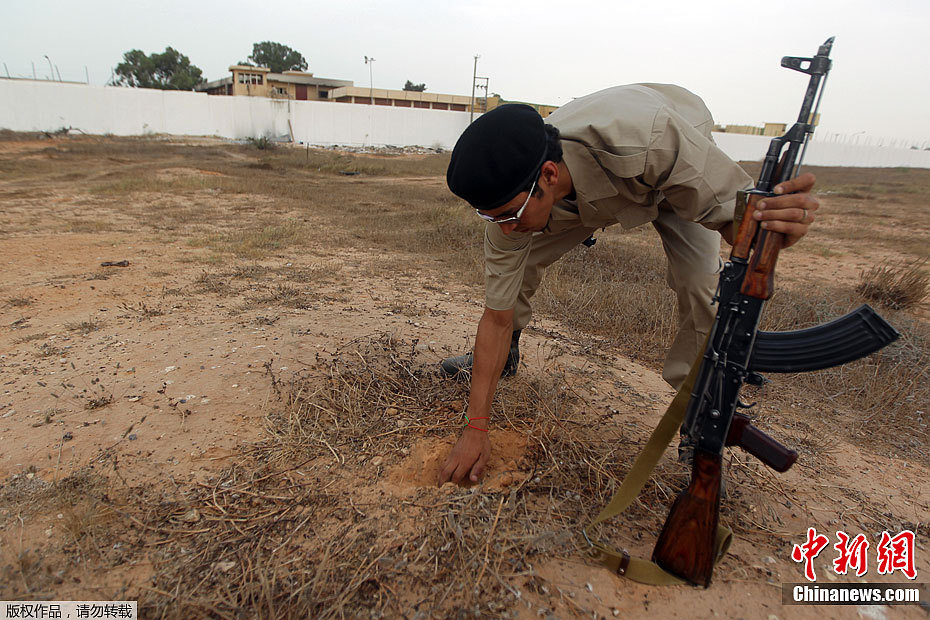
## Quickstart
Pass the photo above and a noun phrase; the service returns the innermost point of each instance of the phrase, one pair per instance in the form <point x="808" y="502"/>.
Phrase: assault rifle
<point x="736" y="352"/>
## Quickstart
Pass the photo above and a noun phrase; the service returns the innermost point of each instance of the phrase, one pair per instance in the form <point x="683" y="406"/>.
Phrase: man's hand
<point x="792" y="211"/>
<point x="468" y="457"/>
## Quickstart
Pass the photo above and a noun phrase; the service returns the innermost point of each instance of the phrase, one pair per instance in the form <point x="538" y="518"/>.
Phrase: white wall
<point x="743" y="147"/>
<point x="28" y="105"/>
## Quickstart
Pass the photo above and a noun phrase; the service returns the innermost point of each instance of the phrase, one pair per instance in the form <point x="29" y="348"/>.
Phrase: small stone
<point x="873" y="612"/>
<point x="377" y="461"/>
<point x="191" y="516"/>
<point x="223" y="566"/>
<point x="171" y="368"/>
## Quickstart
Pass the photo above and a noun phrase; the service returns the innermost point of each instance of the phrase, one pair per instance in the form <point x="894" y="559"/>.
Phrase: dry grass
<point x="19" y="301"/>
<point x="84" y="327"/>
<point x="272" y="536"/>
<point x="282" y="533"/>
<point x="895" y="286"/>
<point x="298" y="527"/>
<point x="614" y="289"/>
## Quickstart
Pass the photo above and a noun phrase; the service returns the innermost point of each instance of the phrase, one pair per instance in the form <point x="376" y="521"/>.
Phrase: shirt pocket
<point x="622" y="166"/>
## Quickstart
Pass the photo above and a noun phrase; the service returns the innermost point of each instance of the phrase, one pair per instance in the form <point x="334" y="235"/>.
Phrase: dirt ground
<point x="142" y="377"/>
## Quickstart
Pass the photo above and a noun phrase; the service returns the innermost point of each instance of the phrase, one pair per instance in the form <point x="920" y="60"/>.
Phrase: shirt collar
<point x="588" y="176"/>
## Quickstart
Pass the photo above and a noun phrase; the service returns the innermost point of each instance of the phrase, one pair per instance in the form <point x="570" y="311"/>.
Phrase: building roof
<point x="409" y="95"/>
<point x="295" y="77"/>
<point x="291" y="77"/>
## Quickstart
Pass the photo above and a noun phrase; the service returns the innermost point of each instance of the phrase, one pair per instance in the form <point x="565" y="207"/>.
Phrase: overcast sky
<point x="538" y="51"/>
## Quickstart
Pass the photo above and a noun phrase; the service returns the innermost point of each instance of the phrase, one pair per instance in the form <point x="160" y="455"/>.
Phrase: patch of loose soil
<point x="135" y="408"/>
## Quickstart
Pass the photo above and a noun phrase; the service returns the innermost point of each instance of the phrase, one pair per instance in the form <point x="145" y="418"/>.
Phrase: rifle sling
<point x="638" y="569"/>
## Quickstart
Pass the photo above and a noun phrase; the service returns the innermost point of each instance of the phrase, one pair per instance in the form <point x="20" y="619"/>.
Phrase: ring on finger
<point x="804" y="217"/>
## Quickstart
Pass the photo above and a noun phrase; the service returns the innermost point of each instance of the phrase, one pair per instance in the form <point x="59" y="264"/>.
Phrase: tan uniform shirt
<point x="628" y="150"/>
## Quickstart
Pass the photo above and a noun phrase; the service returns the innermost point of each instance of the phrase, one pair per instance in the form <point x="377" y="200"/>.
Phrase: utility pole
<point x="484" y="87"/>
<point x="371" y="83"/>
<point x="474" y="74"/>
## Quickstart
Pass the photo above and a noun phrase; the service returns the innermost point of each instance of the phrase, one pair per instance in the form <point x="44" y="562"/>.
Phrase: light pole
<point x="484" y="87"/>
<point x="474" y="74"/>
<point x="371" y="82"/>
<point x="50" y="70"/>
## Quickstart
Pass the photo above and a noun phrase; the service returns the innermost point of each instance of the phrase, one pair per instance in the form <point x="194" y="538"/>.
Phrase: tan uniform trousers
<point x="693" y="254"/>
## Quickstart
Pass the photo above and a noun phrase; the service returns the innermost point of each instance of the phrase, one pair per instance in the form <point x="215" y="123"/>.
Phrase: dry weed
<point x="895" y="286"/>
<point x="84" y="327"/>
<point x="268" y="536"/>
<point x="615" y="289"/>
<point x="19" y="302"/>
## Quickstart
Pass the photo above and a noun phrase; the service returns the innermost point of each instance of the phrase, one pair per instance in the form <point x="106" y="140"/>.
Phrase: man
<point x="628" y="155"/>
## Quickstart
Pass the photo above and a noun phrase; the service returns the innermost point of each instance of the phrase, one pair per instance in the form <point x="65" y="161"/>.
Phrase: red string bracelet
<point x="484" y="430"/>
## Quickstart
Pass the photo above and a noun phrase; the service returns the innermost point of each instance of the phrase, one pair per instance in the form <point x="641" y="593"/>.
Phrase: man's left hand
<point x="791" y="212"/>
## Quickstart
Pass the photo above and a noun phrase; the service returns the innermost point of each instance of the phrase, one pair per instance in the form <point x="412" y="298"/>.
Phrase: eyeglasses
<point x="500" y="219"/>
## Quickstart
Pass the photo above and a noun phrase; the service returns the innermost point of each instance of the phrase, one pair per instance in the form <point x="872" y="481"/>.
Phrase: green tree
<point x="419" y="88"/>
<point x="277" y="57"/>
<point x="170" y="70"/>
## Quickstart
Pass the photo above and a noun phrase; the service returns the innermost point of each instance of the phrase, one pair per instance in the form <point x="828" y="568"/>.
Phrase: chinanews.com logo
<point x="893" y="554"/>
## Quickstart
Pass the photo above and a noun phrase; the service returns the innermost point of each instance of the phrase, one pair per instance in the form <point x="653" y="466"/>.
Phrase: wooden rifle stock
<point x="685" y="546"/>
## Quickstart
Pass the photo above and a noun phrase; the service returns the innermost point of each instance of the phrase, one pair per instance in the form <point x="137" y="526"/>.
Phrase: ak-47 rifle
<point x="736" y="352"/>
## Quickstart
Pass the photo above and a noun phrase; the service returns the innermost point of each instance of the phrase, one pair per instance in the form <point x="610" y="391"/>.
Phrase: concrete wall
<point x="27" y="105"/>
<point x="743" y="147"/>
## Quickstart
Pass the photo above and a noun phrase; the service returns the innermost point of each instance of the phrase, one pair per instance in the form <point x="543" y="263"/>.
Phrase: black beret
<point x="497" y="156"/>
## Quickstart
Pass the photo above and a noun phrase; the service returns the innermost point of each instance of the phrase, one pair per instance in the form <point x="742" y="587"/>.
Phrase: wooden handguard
<point x="746" y="233"/>
<point x="764" y="245"/>
<point x="760" y="276"/>
<point x="686" y="545"/>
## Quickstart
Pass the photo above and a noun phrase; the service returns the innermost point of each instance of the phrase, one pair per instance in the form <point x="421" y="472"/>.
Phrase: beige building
<point x="400" y="98"/>
<point x="247" y="81"/>
<point x="495" y="100"/>
<point x="769" y="129"/>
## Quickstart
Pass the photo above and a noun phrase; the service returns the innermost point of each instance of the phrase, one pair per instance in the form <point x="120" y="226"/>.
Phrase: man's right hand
<point x="468" y="458"/>
<point x="471" y="452"/>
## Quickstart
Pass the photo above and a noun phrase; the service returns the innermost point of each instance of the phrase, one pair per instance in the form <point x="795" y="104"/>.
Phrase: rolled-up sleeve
<point x="504" y="262"/>
<point x="696" y="178"/>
